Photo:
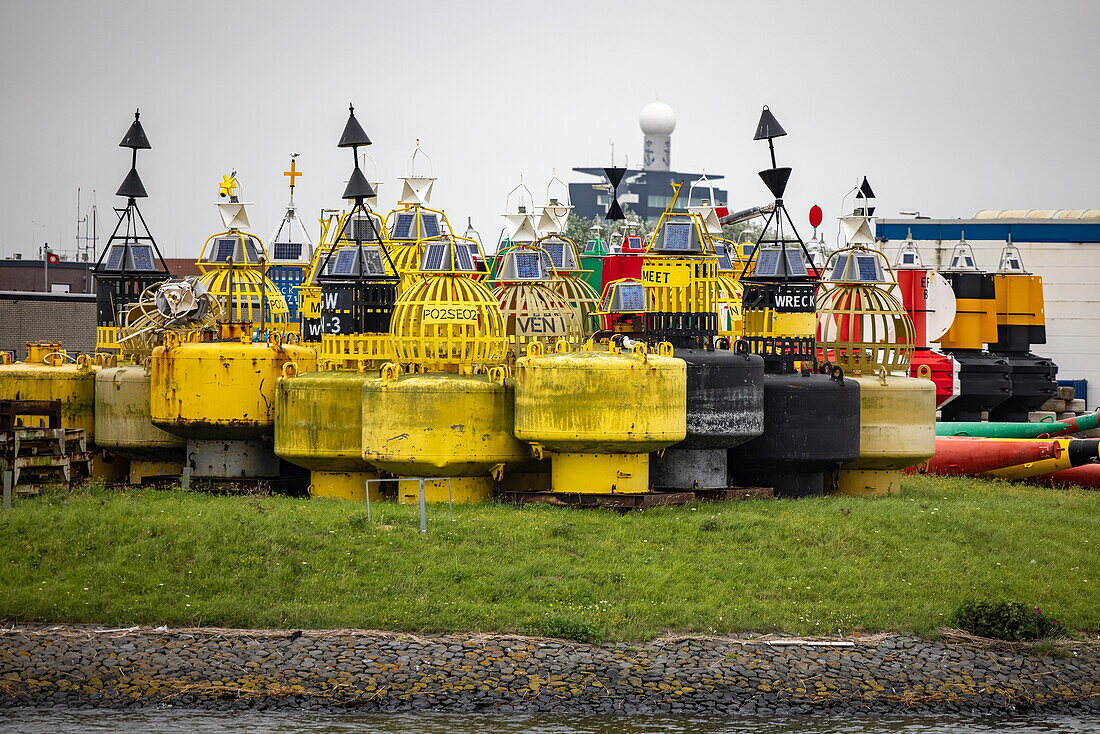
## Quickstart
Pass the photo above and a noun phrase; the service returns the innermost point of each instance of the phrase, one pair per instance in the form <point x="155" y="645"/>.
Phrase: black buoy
<point x="811" y="418"/>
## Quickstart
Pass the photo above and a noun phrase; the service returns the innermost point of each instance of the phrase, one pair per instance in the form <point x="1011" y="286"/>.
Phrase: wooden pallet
<point x="728" y="494"/>
<point x="621" y="501"/>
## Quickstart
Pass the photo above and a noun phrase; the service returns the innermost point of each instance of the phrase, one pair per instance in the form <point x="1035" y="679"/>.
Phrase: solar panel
<point x="363" y="229"/>
<point x="433" y="257"/>
<point x="909" y="258"/>
<point x="143" y="257"/>
<point x="795" y="264"/>
<point x="747" y="249"/>
<point x="226" y="247"/>
<point x="839" y="267"/>
<point x="404" y="224"/>
<point x="287" y="250"/>
<point x="591" y="246"/>
<point x="556" y="251"/>
<point x="372" y="257"/>
<point x="724" y="262"/>
<point x="868" y="267"/>
<point x="678" y="236"/>
<point x="114" y="259"/>
<point x="634" y="243"/>
<point x="767" y="262"/>
<point x="431" y="225"/>
<point x="250" y="251"/>
<point x="345" y="262"/>
<point x="465" y="259"/>
<point x="632" y="297"/>
<point x="527" y="265"/>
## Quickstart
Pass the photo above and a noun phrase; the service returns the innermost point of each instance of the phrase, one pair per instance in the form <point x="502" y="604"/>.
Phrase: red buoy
<point x="1086" y="475"/>
<point x="815" y="216"/>
<point x="963" y="456"/>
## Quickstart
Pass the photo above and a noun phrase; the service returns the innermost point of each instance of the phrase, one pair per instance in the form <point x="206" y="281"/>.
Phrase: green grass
<point x="806" y="566"/>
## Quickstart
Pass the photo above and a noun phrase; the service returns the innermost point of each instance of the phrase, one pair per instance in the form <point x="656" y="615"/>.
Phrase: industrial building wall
<point x="67" y="318"/>
<point x="1071" y="274"/>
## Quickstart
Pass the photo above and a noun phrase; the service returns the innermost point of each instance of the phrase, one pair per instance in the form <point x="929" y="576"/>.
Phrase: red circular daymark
<point x="815" y="216"/>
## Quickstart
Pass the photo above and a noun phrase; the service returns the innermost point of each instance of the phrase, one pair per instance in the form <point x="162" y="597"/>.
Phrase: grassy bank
<point x="806" y="566"/>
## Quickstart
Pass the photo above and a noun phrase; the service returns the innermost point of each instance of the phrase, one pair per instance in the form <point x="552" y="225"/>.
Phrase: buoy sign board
<point x="793" y="298"/>
<point x="667" y="275"/>
<point x="450" y="315"/>
<point x="541" y="326"/>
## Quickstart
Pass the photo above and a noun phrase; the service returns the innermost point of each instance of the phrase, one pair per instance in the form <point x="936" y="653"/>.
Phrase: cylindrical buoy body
<point x="72" y="384"/>
<point x="985" y="381"/>
<point x="1075" y="452"/>
<point x="124" y="426"/>
<point x="1033" y="383"/>
<point x="319" y="426"/>
<point x="941" y="369"/>
<point x="1086" y="476"/>
<point x="220" y="390"/>
<point x="966" y="456"/>
<point x="811" y="426"/>
<point x="988" y="429"/>
<point x="601" y="413"/>
<point x="897" y="429"/>
<point x="439" y="425"/>
<point x="725" y="407"/>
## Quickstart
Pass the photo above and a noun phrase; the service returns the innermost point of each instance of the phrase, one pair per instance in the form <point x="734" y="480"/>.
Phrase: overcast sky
<point x="947" y="107"/>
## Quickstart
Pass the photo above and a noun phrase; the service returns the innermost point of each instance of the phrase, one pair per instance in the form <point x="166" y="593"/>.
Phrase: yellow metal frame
<point x="681" y="283"/>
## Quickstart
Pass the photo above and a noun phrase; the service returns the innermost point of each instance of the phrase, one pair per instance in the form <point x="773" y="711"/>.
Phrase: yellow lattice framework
<point x="448" y="322"/>
<point x="861" y="326"/>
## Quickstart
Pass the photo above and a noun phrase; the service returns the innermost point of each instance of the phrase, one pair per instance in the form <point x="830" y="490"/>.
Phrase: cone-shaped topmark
<point x="131" y="187"/>
<point x="353" y="133"/>
<point x="358" y="186"/>
<point x="768" y="127"/>
<point x="865" y="189"/>
<point x="614" y="175"/>
<point x="135" y="136"/>
<point x="614" y="212"/>
<point x="776" y="180"/>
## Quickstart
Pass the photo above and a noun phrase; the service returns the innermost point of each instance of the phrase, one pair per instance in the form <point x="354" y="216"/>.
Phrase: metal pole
<point x="7" y="489"/>
<point x="423" y="510"/>
<point x="368" y="499"/>
<point x="450" y="501"/>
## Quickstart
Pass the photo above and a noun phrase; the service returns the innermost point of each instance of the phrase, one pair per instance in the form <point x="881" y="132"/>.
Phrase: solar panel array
<point x="143" y="257"/>
<point x="678" y="236"/>
<point x="287" y="250"/>
<point x="591" y="246"/>
<point x="433" y="257"/>
<point x="403" y="226"/>
<point x="632" y="297"/>
<point x="114" y="259"/>
<point x="250" y="251"/>
<point x="431" y="225"/>
<point x="527" y="265"/>
<point x="226" y="247"/>
<point x="634" y="242"/>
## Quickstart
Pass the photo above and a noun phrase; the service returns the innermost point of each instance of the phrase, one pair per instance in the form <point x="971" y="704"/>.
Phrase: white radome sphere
<point x="657" y="118"/>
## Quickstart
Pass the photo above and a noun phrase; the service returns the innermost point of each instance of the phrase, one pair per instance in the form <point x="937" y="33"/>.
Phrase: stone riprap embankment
<point x="86" y="666"/>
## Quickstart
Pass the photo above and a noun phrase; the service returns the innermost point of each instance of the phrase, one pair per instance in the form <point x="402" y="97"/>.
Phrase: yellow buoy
<point x="318" y="426"/>
<point x="220" y="396"/>
<point x="124" y="427"/>
<point x="599" y="414"/>
<point x="445" y="421"/>
<point x="865" y="330"/>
